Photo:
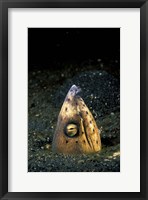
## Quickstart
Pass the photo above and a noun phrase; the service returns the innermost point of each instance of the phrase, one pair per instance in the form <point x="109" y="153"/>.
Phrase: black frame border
<point x="4" y="6"/>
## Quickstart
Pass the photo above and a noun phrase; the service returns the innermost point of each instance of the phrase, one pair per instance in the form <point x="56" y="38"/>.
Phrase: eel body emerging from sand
<point x="76" y="130"/>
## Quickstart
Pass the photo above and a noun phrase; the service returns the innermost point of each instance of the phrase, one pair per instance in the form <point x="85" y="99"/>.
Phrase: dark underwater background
<point x="57" y="59"/>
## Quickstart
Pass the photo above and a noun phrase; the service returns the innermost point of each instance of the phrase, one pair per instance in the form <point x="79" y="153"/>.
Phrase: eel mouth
<point x="88" y="138"/>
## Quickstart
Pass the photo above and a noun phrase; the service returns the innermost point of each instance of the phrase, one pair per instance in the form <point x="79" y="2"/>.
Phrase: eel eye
<point x="71" y="130"/>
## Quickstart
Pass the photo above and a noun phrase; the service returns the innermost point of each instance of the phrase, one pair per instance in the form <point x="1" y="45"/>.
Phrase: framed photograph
<point x="73" y="99"/>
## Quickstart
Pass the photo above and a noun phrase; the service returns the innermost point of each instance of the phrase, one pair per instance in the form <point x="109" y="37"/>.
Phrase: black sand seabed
<point x="101" y="93"/>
